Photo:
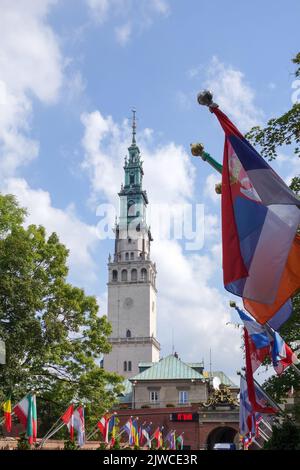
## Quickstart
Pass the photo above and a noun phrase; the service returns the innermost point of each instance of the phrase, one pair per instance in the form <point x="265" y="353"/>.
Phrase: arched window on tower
<point x="131" y="256"/>
<point x="131" y="208"/>
<point x="129" y="366"/>
<point x="127" y="256"/>
<point x="115" y="275"/>
<point x="124" y="275"/>
<point x="125" y="366"/>
<point x="128" y="334"/>
<point x="144" y="275"/>
<point x="134" y="275"/>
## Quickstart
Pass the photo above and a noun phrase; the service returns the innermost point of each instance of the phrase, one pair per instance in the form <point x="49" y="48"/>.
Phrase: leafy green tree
<point x="285" y="436"/>
<point x="23" y="443"/>
<point x="70" y="445"/>
<point x="53" y="333"/>
<point x="283" y="132"/>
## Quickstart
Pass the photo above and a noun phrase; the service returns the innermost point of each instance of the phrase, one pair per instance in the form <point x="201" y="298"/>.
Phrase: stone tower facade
<point x="132" y="277"/>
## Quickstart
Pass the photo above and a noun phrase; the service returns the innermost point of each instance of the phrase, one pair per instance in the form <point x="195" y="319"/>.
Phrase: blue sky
<point x="70" y="71"/>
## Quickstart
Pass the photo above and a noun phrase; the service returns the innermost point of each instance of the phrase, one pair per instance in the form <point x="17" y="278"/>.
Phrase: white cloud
<point x="233" y="94"/>
<point x="161" y="6"/>
<point x="287" y="166"/>
<point x="209" y="187"/>
<point x="79" y="237"/>
<point x="104" y="143"/>
<point x="141" y="14"/>
<point x="30" y="64"/>
<point x="30" y="59"/>
<point x="123" y="33"/>
<point x="197" y="312"/>
<point x="99" y="8"/>
<point x="76" y="85"/>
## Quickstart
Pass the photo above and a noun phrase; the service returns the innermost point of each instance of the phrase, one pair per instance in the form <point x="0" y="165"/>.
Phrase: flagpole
<point x="3" y="419"/>
<point x="51" y="434"/>
<point x="272" y="402"/>
<point x="52" y="427"/>
<point x="266" y="424"/>
<point x="92" y="433"/>
<point x="254" y="440"/>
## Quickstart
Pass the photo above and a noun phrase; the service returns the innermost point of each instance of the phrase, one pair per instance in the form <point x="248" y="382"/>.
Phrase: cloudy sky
<point x="70" y="72"/>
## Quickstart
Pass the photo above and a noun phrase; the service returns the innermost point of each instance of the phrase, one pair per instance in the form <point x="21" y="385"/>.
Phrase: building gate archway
<point x="222" y="434"/>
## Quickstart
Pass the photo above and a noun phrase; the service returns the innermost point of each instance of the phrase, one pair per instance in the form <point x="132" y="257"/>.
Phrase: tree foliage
<point x="285" y="436"/>
<point x="284" y="130"/>
<point x="53" y="333"/>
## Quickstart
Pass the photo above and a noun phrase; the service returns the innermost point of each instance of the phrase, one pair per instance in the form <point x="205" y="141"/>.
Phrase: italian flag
<point x="7" y="414"/>
<point x="26" y="412"/>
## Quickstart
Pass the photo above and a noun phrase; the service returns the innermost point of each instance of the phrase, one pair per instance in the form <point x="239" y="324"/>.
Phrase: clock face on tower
<point x="128" y="302"/>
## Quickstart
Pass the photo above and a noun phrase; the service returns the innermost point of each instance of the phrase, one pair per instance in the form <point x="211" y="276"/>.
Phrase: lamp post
<point x="133" y="393"/>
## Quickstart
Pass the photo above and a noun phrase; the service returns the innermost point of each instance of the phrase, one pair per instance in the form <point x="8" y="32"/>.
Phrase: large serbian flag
<point x="260" y="216"/>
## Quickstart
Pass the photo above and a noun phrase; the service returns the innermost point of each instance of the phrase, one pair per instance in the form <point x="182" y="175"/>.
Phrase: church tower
<point x="132" y="276"/>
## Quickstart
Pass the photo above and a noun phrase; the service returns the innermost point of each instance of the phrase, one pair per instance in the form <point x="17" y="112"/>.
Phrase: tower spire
<point x="133" y="126"/>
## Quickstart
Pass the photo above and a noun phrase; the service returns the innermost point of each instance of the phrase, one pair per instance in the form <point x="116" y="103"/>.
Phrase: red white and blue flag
<point x="260" y="216"/>
<point x="248" y="418"/>
<point x="282" y="354"/>
<point x="252" y="363"/>
<point x="265" y="342"/>
<point x="145" y="436"/>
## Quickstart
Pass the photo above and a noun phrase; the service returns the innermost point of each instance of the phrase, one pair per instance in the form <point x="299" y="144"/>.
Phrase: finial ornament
<point x="197" y="149"/>
<point x="205" y="98"/>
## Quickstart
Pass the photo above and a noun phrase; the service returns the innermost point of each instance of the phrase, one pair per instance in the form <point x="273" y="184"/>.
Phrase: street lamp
<point x="133" y="393"/>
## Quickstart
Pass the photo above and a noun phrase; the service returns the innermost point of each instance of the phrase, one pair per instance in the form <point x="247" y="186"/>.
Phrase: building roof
<point x="168" y="368"/>
<point x="225" y="380"/>
<point x="195" y="364"/>
<point x="126" y="395"/>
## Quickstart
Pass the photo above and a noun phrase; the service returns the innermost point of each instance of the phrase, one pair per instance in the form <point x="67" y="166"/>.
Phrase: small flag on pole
<point x="7" y="414"/>
<point x="27" y="415"/>
<point x="79" y="425"/>
<point x="68" y="419"/>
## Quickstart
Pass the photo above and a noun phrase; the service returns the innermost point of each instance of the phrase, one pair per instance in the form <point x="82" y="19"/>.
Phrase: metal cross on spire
<point x="133" y="126"/>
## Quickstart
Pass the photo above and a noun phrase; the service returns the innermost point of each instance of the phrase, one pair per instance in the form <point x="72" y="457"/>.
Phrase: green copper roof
<point x="168" y="368"/>
<point x="126" y="395"/>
